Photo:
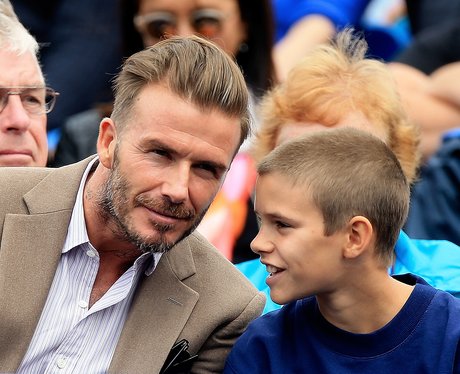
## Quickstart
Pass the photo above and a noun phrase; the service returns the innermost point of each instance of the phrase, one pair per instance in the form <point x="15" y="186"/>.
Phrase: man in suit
<point x="100" y="267"/>
<point x="24" y="98"/>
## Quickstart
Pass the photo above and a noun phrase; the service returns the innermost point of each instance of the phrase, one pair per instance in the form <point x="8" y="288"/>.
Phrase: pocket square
<point x="179" y="361"/>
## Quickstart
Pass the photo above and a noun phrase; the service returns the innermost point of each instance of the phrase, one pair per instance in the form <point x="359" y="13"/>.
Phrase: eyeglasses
<point x="160" y="25"/>
<point x="35" y="100"/>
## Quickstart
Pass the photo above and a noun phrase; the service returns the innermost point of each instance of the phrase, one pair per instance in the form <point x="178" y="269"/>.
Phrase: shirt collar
<point x="77" y="233"/>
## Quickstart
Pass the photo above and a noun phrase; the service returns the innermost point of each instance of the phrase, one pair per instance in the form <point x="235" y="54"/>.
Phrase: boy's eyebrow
<point x="273" y="215"/>
<point x="155" y="143"/>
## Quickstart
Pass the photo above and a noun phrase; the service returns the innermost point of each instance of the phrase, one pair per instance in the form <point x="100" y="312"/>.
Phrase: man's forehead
<point x="19" y="69"/>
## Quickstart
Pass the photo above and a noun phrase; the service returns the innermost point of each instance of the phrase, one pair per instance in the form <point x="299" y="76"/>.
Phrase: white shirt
<point x="69" y="337"/>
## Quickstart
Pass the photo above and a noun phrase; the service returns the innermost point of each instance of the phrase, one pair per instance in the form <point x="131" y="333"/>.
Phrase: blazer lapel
<point x="158" y="314"/>
<point x="30" y="250"/>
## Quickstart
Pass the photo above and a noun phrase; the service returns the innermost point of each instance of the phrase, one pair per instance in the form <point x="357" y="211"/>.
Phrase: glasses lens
<point x="208" y="22"/>
<point x="35" y="100"/>
<point x="3" y="98"/>
<point x="160" y="29"/>
<point x="50" y="99"/>
<point x="158" y="25"/>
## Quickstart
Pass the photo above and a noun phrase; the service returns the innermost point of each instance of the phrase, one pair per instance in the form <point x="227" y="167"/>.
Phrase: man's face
<point x="166" y="167"/>
<point x="23" y="140"/>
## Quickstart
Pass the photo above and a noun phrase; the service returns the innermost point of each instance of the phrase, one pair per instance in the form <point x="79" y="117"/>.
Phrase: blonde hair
<point x="347" y="173"/>
<point x="13" y="35"/>
<point x="194" y="69"/>
<point x="331" y="82"/>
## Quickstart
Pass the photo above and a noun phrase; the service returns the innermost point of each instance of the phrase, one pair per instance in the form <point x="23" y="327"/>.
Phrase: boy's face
<point x="301" y="260"/>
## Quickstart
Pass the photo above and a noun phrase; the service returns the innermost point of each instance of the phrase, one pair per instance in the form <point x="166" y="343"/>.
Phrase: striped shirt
<point x="69" y="337"/>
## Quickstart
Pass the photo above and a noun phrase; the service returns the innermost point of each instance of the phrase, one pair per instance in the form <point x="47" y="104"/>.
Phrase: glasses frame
<point x="18" y="90"/>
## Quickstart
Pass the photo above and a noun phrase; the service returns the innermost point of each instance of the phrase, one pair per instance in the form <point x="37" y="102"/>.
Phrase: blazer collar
<point x="161" y="308"/>
<point x="30" y="250"/>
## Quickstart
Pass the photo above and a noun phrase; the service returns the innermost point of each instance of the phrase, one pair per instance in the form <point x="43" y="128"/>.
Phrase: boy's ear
<point x="360" y="233"/>
<point x="106" y="142"/>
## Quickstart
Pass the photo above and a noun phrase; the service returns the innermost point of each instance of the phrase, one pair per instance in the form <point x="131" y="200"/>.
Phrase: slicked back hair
<point x="192" y="68"/>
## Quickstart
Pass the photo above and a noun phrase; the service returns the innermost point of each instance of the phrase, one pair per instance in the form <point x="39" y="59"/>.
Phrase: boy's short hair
<point x="332" y="81"/>
<point x="347" y="172"/>
<point x="192" y="68"/>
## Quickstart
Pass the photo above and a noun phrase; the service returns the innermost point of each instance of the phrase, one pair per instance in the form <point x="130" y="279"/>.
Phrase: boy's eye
<point x="281" y="225"/>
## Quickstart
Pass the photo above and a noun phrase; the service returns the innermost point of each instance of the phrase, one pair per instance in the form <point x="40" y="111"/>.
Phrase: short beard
<point x="113" y="203"/>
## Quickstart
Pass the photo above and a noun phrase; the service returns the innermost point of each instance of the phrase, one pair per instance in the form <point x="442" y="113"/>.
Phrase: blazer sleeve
<point x="213" y="353"/>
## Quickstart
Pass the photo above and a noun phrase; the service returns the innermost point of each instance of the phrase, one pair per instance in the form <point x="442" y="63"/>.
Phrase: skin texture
<point x="165" y="169"/>
<point x="233" y="29"/>
<point x="23" y="139"/>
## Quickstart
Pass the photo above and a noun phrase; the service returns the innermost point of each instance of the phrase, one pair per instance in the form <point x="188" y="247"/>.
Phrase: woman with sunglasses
<point x="244" y="29"/>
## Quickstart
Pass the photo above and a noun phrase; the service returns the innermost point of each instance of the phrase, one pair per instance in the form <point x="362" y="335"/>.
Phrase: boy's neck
<point x="364" y="307"/>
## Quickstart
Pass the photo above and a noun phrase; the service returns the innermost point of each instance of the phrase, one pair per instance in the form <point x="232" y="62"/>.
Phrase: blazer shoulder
<point x="214" y="271"/>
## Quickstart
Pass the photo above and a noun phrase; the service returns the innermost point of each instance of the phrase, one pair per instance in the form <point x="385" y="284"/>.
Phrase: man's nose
<point x="14" y="117"/>
<point x="176" y="184"/>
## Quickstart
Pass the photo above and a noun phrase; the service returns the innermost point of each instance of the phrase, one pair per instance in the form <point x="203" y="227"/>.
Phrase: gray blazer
<point x="194" y="293"/>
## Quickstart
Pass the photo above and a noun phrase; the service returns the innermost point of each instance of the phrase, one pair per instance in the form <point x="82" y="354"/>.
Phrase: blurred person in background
<point x="24" y="98"/>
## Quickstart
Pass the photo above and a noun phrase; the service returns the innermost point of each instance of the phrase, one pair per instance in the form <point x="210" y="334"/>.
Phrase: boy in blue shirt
<point x="331" y="205"/>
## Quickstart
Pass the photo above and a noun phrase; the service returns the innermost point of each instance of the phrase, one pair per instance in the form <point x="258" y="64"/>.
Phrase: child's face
<point x="291" y="242"/>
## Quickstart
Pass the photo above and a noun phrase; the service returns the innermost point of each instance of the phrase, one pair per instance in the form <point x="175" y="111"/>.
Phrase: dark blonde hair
<point x="331" y="82"/>
<point x="347" y="172"/>
<point x="191" y="67"/>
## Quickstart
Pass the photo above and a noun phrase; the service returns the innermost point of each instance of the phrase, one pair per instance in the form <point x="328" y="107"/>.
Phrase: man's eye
<point x="32" y="100"/>
<point x="160" y="152"/>
<point x="208" y="168"/>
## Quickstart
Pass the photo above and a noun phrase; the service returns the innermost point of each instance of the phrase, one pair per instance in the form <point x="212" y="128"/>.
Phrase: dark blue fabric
<point x="340" y="12"/>
<point x="421" y="338"/>
<point x="437" y="261"/>
<point x="81" y="50"/>
<point x="435" y="202"/>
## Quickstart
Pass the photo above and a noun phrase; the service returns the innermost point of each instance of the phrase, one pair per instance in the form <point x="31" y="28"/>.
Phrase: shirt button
<point x="83" y="304"/>
<point x="90" y="253"/>
<point x="61" y="362"/>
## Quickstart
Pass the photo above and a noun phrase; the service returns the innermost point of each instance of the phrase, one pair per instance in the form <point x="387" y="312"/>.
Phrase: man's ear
<point x="360" y="236"/>
<point x="106" y="142"/>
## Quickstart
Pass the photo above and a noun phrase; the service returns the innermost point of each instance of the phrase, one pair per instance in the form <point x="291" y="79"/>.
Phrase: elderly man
<point x="24" y="98"/>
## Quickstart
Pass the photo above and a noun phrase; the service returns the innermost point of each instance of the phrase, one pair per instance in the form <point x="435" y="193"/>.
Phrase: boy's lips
<point x="272" y="269"/>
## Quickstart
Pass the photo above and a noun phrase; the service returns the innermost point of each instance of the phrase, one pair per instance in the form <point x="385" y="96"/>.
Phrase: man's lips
<point x="10" y="157"/>
<point x="13" y="152"/>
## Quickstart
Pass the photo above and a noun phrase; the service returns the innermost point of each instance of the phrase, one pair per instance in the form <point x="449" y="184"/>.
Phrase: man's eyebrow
<point x="155" y="143"/>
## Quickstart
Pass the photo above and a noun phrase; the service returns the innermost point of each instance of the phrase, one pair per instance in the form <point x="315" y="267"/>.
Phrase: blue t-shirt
<point x="436" y="261"/>
<point x="422" y="338"/>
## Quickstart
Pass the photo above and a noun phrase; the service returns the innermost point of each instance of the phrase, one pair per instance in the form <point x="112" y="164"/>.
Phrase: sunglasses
<point x="35" y="100"/>
<point x="161" y="25"/>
